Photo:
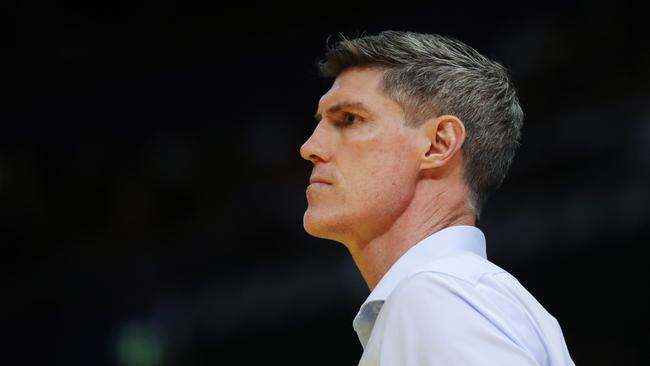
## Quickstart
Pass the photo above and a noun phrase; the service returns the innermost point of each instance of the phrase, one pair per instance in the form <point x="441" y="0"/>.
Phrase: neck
<point x="427" y="213"/>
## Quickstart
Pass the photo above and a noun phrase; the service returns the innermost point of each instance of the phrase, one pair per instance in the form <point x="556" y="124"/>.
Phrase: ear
<point x="443" y="138"/>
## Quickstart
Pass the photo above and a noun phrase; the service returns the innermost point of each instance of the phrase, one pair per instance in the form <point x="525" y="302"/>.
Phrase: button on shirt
<point x="443" y="303"/>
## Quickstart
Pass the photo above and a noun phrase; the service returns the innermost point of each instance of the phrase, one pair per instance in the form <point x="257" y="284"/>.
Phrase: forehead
<point x="356" y="86"/>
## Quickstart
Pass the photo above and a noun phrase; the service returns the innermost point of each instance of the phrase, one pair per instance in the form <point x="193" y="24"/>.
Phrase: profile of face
<point x="364" y="157"/>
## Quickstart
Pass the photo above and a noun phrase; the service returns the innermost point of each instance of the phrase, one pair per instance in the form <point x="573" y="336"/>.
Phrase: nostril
<point x="313" y="150"/>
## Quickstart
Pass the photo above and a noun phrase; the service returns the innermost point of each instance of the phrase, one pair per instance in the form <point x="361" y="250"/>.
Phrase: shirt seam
<point x="447" y="274"/>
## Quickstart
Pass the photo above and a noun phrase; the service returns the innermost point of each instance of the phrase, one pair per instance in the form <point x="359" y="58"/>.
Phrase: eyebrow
<point x="342" y="105"/>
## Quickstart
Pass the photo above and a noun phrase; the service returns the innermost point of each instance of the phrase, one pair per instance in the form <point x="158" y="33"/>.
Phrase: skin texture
<point x="379" y="186"/>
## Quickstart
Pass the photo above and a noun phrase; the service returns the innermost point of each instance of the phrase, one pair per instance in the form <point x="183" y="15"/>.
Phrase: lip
<point x="313" y="180"/>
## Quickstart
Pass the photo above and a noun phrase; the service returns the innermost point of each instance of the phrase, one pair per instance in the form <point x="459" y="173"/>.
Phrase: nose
<point x="315" y="148"/>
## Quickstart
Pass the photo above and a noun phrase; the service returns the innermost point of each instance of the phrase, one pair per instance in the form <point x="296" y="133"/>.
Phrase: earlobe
<point x="444" y="137"/>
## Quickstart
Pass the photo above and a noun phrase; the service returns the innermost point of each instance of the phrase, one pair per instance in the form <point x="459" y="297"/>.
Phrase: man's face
<point x="365" y="160"/>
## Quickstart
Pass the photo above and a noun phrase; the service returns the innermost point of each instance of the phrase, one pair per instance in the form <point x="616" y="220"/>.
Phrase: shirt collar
<point x="442" y="243"/>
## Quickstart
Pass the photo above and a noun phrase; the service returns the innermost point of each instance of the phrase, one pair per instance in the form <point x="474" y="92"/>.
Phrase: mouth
<point x="317" y="180"/>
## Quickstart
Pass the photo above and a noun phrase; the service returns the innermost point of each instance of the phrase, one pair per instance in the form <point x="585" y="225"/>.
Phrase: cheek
<point x="385" y="175"/>
<point x="378" y="165"/>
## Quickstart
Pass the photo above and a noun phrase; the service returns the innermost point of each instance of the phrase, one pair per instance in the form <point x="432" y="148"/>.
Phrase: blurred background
<point x="151" y="191"/>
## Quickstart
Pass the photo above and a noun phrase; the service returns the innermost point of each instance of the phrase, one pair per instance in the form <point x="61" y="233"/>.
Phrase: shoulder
<point x="462" y="309"/>
<point x="466" y="294"/>
<point x="447" y="291"/>
<point x="462" y="283"/>
<point x="443" y="313"/>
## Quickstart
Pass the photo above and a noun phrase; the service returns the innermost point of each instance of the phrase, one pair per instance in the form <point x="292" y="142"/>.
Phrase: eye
<point x="348" y="119"/>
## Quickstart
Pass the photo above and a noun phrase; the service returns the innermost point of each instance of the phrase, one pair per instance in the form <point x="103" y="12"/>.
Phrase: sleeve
<point x="430" y="319"/>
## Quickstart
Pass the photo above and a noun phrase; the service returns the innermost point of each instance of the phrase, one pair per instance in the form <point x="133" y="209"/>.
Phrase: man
<point x="415" y="132"/>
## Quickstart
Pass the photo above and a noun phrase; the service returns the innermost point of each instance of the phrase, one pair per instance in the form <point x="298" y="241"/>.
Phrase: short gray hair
<point x="431" y="75"/>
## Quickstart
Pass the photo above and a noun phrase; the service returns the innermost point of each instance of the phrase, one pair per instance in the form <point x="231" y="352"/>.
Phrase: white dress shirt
<point x="443" y="303"/>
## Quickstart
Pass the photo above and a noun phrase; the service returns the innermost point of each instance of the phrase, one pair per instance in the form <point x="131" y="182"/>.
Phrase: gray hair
<point x="431" y="75"/>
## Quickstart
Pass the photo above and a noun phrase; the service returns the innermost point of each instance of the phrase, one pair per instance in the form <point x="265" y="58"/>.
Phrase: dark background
<point x="151" y="191"/>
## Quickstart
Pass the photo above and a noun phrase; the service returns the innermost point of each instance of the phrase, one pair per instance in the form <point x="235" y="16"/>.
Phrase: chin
<point x="312" y="225"/>
<point x="319" y="225"/>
